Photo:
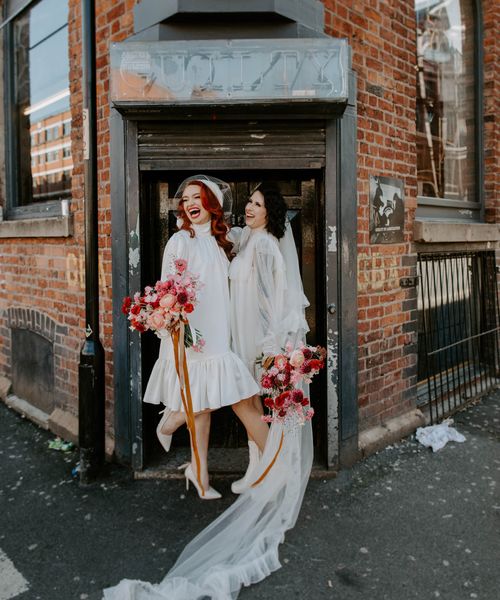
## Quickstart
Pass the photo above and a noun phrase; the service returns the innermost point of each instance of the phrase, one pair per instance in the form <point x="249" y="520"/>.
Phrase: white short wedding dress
<point x="217" y="376"/>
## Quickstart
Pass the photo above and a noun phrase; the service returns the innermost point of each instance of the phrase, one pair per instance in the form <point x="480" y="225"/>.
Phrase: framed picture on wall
<point x="387" y="211"/>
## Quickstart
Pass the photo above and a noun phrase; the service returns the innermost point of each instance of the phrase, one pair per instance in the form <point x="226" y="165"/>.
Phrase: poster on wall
<point x="387" y="211"/>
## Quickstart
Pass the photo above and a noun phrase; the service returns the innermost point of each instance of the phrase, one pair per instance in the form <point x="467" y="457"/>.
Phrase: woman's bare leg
<point x="202" y="428"/>
<point x="249" y="413"/>
<point x="174" y="421"/>
<point x="258" y="407"/>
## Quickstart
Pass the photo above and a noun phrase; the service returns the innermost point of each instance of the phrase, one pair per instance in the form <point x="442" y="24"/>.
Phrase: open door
<point x="303" y="192"/>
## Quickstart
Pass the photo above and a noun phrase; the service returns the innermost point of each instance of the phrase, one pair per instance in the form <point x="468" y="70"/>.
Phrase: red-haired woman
<point x="217" y="376"/>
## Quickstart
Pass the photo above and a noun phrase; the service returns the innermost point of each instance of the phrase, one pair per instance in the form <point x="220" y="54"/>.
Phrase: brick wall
<point x="48" y="274"/>
<point x="382" y="36"/>
<point x="491" y="22"/>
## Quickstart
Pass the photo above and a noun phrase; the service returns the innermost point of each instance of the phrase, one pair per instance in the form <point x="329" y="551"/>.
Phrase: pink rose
<point x="297" y="358"/>
<point x="167" y="301"/>
<point x="280" y="362"/>
<point x="156" y="320"/>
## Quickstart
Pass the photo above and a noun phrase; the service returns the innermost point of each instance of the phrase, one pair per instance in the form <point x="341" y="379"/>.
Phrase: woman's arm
<point x="234" y="236"/>
<point x="269" y="295"/>
<point x="176" y="248"/>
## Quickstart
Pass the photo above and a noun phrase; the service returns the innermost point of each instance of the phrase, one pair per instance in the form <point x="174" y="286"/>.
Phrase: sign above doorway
<point x="230" y="71"/>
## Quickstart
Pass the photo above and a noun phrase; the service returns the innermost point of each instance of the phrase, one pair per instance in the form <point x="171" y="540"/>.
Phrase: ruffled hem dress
<point x="217" y="376"/>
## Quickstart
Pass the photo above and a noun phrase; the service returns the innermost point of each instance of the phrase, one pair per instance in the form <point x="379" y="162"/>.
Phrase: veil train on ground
<point x="241" y="546"/>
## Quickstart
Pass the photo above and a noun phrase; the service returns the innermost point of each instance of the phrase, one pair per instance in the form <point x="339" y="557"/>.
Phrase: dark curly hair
<point x="276" y="208"/>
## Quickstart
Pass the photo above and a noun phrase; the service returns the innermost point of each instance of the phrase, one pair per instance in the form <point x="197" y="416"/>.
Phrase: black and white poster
<point x="387" y="211"/>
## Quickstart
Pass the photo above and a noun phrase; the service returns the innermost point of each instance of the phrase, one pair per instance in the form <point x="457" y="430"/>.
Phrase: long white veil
<point x="241" y="546"/>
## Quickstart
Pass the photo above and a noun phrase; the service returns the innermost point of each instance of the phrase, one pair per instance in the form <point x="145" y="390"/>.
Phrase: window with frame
<point x="38" y="101"/>
<point x="448" y="100"/>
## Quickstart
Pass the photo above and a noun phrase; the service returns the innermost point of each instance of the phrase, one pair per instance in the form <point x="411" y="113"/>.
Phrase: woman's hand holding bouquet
<point x="281" y="376"/>
<point x="163" y="307"/>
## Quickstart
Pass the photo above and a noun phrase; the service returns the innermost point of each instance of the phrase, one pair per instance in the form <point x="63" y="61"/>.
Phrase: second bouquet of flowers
<point x="282" y="376"/>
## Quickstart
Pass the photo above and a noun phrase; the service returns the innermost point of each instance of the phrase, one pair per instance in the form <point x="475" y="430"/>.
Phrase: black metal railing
<point x="458" y="330"/>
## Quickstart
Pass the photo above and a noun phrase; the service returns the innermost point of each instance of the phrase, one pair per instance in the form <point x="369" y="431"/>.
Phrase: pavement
<point x="405" y="523"/>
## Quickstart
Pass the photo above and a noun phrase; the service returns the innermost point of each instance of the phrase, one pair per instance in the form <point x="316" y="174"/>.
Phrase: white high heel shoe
<point x="165" y="440"/>
<point x="254" y="454"/>
<point x="209" y="494"/>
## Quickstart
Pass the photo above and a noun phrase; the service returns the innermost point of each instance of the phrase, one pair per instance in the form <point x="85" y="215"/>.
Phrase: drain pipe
<point x="91" y="368"/>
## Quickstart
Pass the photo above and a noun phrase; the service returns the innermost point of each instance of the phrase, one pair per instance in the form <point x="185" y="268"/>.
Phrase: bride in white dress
<point x="266" y="312"/>
<point x="241" y="546"/>
<point x="217" y="376"/>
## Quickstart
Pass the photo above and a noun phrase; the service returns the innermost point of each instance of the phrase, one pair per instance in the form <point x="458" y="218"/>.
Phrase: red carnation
<point x="188" y="308"/>
<point x="306" y="368"/>
<point x="316" y="364"/>
<point x="127" y="301"/>
<point x="138" y="326"/>
<point x="182" y="298"/>
<point x="280" y="400"/>
<point x="266" y="382"/>
<point x="136" y="309"/>
<point x="296" y="396"/>
<point x="269" y="402"/>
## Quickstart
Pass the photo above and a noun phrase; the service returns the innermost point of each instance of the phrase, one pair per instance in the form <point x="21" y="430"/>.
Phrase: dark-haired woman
<point x="217" y="376"/>
<point x="241" y="546"/>
<point x="258" y="305"/>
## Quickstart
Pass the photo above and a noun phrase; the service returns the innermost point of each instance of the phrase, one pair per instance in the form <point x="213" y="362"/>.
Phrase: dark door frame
<point x="340" y="260"/>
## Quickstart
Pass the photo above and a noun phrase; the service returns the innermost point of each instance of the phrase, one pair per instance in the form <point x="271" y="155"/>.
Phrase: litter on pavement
<point x="437" y="436"/>
<point x="59" y="444"/>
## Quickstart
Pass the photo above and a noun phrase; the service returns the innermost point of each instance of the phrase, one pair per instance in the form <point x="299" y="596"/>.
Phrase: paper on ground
<point x="437" y="436"/>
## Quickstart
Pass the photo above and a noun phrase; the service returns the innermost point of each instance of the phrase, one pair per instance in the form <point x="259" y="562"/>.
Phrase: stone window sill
<point x="439" y="232"/>
<point x="48" y="227"/>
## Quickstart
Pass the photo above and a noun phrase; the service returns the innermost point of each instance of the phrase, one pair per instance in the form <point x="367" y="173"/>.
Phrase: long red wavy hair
<point x="218" y="225"/>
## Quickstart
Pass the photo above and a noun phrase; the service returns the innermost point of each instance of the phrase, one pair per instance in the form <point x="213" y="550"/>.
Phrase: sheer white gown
<point x="217" y="376"/>
<point x="267" y="300"/>
<point x="241" y="546"/>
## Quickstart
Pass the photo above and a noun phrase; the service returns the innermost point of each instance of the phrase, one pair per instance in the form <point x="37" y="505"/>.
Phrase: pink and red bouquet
<point x="162" y="307"/>
<point x="281" y="376"/>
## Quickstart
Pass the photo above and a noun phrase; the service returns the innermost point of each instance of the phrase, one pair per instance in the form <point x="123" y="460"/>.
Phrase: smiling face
<point x="256" y="212"/>
<point x="193" y="206"/>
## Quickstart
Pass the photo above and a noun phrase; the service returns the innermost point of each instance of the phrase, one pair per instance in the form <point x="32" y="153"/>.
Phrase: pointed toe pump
<point x="164" y="439"/>
<point x="210" y="493"/>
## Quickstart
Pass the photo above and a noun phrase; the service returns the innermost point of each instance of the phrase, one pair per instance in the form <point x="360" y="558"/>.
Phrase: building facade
<point x="379" y="120"/>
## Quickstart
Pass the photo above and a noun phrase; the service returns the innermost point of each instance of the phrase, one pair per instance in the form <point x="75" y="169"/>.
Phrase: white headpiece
<point x="219" y="188"/>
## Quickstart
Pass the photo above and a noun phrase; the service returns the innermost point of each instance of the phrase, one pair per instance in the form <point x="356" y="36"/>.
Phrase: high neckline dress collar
<point x="203" y="230"/>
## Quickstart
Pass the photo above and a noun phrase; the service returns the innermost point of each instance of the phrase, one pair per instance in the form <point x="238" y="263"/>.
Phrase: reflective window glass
<point x="445" y="99"/>
<point x="41" y="75"/>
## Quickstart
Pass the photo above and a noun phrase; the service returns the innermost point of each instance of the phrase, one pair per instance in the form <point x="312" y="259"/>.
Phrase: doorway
<point x="303" y="190"/>
<point x="315" y="161"/>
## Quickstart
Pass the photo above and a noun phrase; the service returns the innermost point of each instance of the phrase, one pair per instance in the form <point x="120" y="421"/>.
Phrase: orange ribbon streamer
<point x="187" y="401"/>
<point x="270" y="466"/>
